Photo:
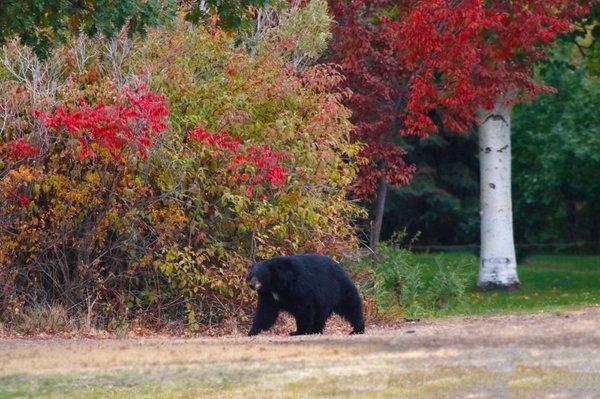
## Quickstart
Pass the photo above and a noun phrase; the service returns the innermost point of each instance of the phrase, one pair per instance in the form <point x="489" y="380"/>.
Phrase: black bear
<point x="309" y="287"/>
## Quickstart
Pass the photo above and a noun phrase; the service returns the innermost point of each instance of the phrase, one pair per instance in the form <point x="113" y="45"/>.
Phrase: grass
<point x="445" y="358"/>
<point x="579" y="263"/>
<point x="427" y="384"/>
<point x="549" y="282"/>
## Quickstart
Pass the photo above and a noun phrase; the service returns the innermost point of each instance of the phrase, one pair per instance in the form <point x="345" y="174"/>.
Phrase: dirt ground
<point x="547" y="354"/>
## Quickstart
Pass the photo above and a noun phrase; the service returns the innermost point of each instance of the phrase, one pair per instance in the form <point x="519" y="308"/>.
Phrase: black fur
<point x="309" y="287"/>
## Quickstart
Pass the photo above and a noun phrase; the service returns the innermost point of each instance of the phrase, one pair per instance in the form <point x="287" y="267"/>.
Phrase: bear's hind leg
<point x="351" y="310"/>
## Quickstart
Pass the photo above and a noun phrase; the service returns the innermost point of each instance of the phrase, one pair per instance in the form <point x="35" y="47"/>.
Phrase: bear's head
<point x="260" y="276"/>
<point x="275" y="274"/>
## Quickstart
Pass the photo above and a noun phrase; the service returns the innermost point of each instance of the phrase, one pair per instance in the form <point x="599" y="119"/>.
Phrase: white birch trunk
<point x="497" y="264"/>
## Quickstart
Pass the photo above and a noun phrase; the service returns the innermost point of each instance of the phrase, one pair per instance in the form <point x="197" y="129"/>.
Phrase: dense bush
<point x="401" y="283"/>
<point x="139" y="179"/>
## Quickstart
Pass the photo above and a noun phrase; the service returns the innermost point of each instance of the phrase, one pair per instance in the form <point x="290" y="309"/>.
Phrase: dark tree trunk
<point x="572" y="225"/>
<point x="381" y="183"/>
<point x="571" y="212"/>
<point x="379" y="209"/>
<point x="594" y="217"/>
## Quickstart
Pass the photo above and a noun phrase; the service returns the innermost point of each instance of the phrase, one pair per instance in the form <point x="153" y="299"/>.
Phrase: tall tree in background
<point x="440" y="206"/>
<point x="417" y="65"/>
<point x="41" y="24"/>
<point x="441" y="203"/>
<point x="556" y="141"/>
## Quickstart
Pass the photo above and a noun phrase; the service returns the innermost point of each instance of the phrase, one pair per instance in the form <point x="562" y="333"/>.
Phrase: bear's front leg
<point x="266" y="314"/>
<point x="304" y="320"/>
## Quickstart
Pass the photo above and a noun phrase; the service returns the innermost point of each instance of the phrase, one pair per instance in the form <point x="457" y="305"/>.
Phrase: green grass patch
<point x="549" y="282"/>
<point x="579" y="263"/>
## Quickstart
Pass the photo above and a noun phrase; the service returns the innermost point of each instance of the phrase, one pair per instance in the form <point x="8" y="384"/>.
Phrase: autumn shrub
<point x="139" y="179"/>
<point x="75" y="221"/>
<point x="260" y="153"/>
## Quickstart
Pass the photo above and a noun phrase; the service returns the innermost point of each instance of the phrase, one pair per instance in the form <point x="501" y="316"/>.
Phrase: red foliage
<point x="223" y="140"/>
<point x="409" y="60"/>
<point x="395" y="171"/>
<point x="135" y="119"/>
<point x="266" y="164"/>
<point x="253" y="164"/>
<point x="23" y="200"/>
<point x="19" y="149"/>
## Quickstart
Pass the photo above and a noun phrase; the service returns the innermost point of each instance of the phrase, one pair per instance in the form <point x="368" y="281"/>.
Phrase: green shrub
<point x="448" y="287"/>
<point x="402" y="284"/>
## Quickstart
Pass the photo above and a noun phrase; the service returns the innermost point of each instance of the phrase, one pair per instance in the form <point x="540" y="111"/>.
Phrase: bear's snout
<point x="254" y="283"/>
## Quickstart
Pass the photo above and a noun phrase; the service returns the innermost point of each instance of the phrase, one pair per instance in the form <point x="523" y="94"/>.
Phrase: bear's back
<point x="321" y="270"/>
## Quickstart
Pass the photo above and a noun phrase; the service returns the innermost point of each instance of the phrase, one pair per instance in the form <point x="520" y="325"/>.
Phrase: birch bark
<point x="497" y="264"/>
